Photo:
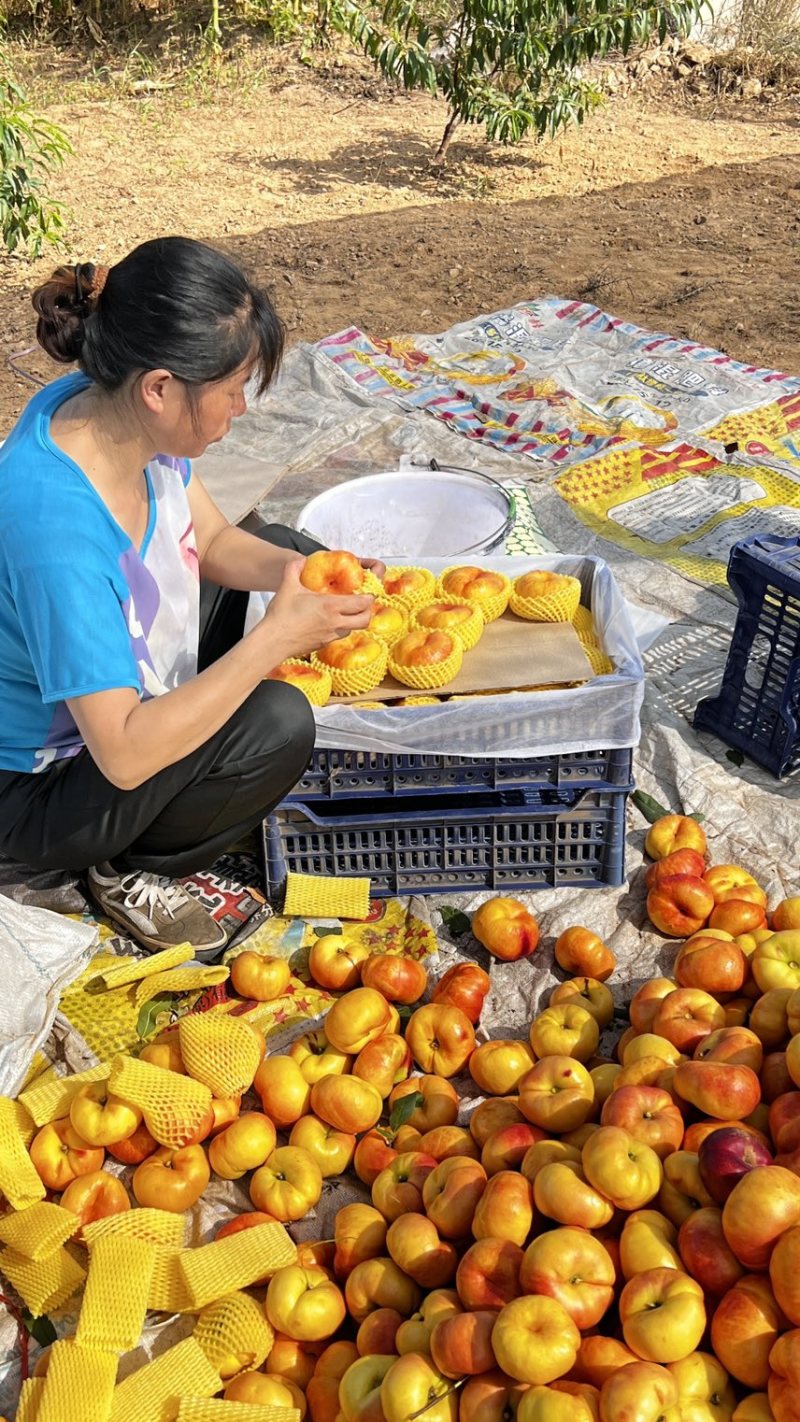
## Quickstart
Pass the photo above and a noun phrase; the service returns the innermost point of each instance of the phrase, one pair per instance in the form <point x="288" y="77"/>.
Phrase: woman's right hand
<point x="302" y="621"/>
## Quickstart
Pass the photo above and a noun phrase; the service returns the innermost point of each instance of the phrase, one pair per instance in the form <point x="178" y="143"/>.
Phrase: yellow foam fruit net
<point x="79" y="1384"/>
<point x="468" y="632"/>
<point x="557" y="603"/>
<point x="600" y="663"/>
<point x="402" y="620"/>
<point x="51" y="1100"/>
<point x="180" y="980"/>
<point x="116" y="1294"/>
<point x="159" y="1227"/>
<point x="370" y="585"/>
<point x="316" y="689"/>
<point x="38" y="1231"/>
<point x="420" y="701"/>
<point x="416" y="597"/>
<point x="168" y="1290"/>
<point x="232" y="1263"/>
<point x="130" y="970"/>
<point x="153" y="1393"/>
<point x="491" y="607"/>
<point x="43" y="1284"/>
<point x="30" y="1395"/>
<point x="318" y="896"/>
<point x="215" y="1409"/>
<point x="582" y="620"/>
<point x="424" y="678"/>
<point x="234" y="1325"/>
<point x="219" y="1050"/>
<point x="349" y="681"/>
<point x="19" y="1181"/>
<point x="174" y="1106"/>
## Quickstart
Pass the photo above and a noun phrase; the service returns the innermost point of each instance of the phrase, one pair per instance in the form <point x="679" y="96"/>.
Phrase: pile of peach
<point x="612" y="1239"/>
<point x="421" y="627"/>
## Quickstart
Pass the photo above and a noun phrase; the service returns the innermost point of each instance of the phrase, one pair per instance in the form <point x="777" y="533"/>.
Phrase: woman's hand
<point x="374" y="565"/>
<point x="304" y="620"/>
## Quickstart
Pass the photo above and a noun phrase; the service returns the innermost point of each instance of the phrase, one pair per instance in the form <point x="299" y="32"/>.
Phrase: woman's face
<point x="185" y="428"/>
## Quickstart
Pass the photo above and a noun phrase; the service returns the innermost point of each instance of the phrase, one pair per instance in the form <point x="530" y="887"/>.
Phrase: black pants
<point x="181" y="819"/>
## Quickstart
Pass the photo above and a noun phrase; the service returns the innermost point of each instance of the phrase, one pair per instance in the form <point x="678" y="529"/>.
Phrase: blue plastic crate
<point x="347" y="774"/>
<point x="757" y="709"/>
<point x="560" y="838"/>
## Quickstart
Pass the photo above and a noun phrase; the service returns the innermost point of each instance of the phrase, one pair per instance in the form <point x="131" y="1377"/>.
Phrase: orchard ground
<point x="679" y="212"/>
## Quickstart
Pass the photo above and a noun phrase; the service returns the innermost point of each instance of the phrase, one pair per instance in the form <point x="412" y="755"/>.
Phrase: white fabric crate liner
<point x="604" y="713"/>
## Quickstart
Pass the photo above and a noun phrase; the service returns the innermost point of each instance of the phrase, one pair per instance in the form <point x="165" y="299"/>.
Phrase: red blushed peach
<point x="378" y="1283"/>
<point x="712" y="964"/>
<point x="507" y="1147"/>
<point x="444" y="1141"/>
<point x="738" y="916"/>
<point x="758" y="1210"/>
<point x="372" y="1155"/>
<point x="725" y="880"/>
<point x="399" y="978"/>
<point x="493" y="1115"/>
<point x="583" y="953"/>
<point x="774" y="1077"/>
<point x="398" y="1190"/>
<point x="465" y="985"/>
<point x="505" y="1209"/>
<point x="488" y="1275"/>
<point x="648" y="1114"/>
<point x="414" y="1244"/>
<point x="784" y="1380"/>
<point x="573" y="1267"/>
<point x="462" y="1346"/>
<point x="439" y="1104"/>
<point x="744" y="1327"/>
<point x="705" y="1251"/>
<point x="784" y="1121"/>
<point x="599" y="1358"/>
<point x="359" y="1234"/>
<point x="674" y="832"/>
<point x="680" y="906"/>
<point x="682" y="861"/>
<point x="494" y="1397"/>
<point x="769" y="1017"/>
<point x="441" y="1038"/>
<point x="506" y="928"/>
<point x="646" y="1001"/>
<point x="718" y="1089"/>
<point x="451" y="1194"/>
<point x="736" y="1045"/>
<point x="384" y="1062"/>
<point x="377" y="1334"/>
<point x="686" y="1016"/>
<point x="498" y="1066"/>
<point x="332" y="571"/>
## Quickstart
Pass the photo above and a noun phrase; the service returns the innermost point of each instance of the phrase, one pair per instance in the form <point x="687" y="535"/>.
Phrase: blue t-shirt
<point x="82" y="609"/>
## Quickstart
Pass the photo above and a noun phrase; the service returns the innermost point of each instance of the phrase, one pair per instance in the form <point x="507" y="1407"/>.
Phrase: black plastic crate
<point x="558" y="838"/>
<point x="347" y="773"/>
<point x="757" y="709"/>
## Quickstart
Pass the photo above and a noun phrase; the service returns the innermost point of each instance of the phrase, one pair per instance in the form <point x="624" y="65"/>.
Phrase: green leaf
<point x="649" y="807"/>
<point x="735" y="756"/>
<point x="41" y="1329"/>
<point x="327" y="932"/>
<point x="405" y="1108"/>
<point x="701" y="819"/>
<point x="454" y="920"/>
<point x="147" y="1020"/>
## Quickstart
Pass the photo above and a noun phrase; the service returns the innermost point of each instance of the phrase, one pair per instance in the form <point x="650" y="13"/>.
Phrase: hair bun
<point x="63" y="304"/>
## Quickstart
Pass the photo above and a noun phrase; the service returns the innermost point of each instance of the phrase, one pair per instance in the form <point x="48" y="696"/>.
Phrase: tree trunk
<point x="440" y="155"/>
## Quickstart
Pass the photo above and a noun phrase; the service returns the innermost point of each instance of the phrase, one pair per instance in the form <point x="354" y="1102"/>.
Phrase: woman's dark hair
<point x="172" y="304"/>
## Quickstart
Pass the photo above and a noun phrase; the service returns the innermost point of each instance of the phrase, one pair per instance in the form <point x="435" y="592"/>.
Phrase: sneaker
<point x="159" y="913"/>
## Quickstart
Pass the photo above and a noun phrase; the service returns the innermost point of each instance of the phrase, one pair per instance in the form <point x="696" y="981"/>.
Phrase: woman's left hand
<point x="374" y="565"/>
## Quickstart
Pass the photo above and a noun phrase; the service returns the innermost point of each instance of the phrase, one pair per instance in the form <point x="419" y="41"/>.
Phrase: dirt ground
<point x="665" y="209"/>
